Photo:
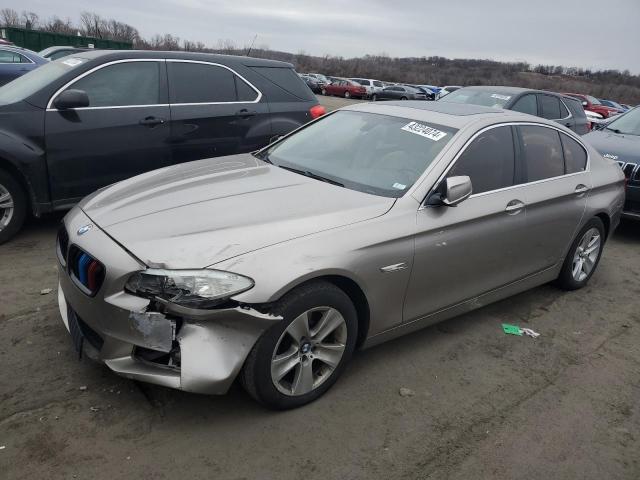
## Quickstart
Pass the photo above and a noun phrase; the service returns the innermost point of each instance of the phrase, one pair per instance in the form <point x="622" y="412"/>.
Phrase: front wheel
<point x="323" y="91"/>
<point x="300" y="358"/>
<point x="347" y="94"/>
<point x="13" y="206"/>
<point x="583" y="257"/>
<point x="374" y="97"/>
<point x="404" y="98"/>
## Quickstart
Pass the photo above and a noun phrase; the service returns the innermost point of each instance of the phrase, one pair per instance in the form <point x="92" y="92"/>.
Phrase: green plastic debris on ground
<point x="511" y="329"/>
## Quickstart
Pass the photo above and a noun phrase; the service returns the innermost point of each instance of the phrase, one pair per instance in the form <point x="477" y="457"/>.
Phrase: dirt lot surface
<point x="482" y="404"/>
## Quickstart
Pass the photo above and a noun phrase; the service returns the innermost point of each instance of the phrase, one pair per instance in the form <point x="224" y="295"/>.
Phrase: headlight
<point x="200" y="289"/>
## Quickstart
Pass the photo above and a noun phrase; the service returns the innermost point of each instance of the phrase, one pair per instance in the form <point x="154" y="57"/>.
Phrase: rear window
<point x="286" y="79"/>
<point x="485" y="98"/>
<point x="366" y="83"/>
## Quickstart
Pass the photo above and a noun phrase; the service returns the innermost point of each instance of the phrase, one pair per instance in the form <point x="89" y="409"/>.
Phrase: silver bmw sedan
<point x="369" y="223"/>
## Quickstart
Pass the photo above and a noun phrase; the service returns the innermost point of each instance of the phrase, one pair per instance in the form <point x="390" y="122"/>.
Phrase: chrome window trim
<point x="568" y="110"/>
<point x="561" y="101"/>
<point x="507" y="124"/>
<point x="130" y="60"/>
<point x="95" y="69"/>
<point x="202" y="62"/>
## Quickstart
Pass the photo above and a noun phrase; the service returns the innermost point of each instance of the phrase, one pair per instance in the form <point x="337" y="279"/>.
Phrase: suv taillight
<point x="317" y="111"/>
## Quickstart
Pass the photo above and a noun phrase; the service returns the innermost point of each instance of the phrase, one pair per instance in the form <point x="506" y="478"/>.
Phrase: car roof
<point x="500" y="88"/>
<point x="455" y="115"/>
<point x="196" y="56"/>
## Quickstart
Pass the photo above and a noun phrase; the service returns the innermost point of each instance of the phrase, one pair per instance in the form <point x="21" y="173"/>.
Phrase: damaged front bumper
<point x="191" y="351"/>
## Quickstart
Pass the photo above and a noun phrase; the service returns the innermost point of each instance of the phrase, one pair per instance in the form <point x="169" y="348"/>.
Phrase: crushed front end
<point x="146" y="339"/>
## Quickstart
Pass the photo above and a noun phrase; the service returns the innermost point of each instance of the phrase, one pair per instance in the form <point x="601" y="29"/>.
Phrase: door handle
<point x="581" y="189"/>
<point x="514" y="207"/>
<point x="151" y="121"/>
<point x="244" y="113"/>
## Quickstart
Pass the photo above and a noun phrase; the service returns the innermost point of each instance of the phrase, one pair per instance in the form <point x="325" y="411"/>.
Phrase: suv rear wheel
<point x="13" y="206"/>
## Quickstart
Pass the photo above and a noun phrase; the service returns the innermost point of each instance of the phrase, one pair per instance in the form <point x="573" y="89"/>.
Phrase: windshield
<point x="485" y="98"/>
<point x="627" y="124"/>
<point x="593" y="100"/>
<point x="30" y="83"/>
<point x="368" y="152"/>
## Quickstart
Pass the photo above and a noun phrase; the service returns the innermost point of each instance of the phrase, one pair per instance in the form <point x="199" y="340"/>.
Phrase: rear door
<point x="555" y="192"/>
<point x="214" y="111"/>
<point x="122" y="133"/>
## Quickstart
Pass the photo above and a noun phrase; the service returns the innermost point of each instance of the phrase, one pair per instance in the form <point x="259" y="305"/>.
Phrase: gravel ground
<point x="480" y="404"/>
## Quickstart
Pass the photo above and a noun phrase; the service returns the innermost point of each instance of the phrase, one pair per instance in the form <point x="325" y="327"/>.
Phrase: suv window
<point x="575" y="157"/>
<point x="550" y="107"/>
<point x="121" y="84"/>
<point x="526" y="104"/>
<point x="489" y="160"/>
<point x="204" y="83"/>
<point x="564" y="113"/>
<point x="542" y="152"/>
<point x="377" y="83"/>
<point x="286" y="79"/>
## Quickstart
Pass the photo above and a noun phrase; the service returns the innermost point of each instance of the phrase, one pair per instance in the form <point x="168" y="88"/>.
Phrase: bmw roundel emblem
<point x="84" y="229"/>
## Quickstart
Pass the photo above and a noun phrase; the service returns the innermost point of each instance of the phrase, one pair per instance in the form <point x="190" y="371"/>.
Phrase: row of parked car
<point x="372" y="89"/>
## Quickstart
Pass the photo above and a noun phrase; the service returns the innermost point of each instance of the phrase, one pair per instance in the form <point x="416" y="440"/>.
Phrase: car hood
<point x="618" y="147"/>
<point x="200" y="213"/>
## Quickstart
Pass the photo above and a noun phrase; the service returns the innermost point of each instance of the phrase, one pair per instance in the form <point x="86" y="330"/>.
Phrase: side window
<point x="377" y="84"/>
<point x="550" y="107"/>
<point x="24" y="59"/>
<point x="526" y="104"/>
<point x="575" y="157"/>
<point x="564" y="112"/>
<point x="542" y="152"/>
<point x="489" y="161"/>
<point x="244" y="91"/>
<point x="200" y="83"/>
<point x="121" y="84"/>
<point x="9" y="57"/>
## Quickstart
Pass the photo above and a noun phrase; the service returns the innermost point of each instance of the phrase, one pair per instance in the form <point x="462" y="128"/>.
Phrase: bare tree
<point x="10" y="18"/>
<point x="30" y="19"/>
<point x="58" y="25"/>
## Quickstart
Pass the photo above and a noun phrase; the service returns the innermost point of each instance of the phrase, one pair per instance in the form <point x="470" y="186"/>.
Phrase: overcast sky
<point x="585" y="33"/>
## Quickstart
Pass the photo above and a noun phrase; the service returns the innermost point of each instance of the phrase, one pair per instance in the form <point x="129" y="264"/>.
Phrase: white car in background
<point x="444" y="91"/>
<point x="373" y="87"/>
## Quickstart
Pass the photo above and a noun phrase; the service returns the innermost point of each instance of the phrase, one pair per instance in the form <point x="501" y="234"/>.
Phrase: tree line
<point x="621" y="86"/>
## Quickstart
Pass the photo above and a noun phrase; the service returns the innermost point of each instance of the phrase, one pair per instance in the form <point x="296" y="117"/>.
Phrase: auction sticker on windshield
<point x="424" y="131"/>
<point x="501" y="97"/>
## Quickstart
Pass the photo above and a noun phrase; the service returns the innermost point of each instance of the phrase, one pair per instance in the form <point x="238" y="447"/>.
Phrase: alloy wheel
<point x="6" y="207"/>
<point x="308" y="351"/>
<point x="586" y="255"/>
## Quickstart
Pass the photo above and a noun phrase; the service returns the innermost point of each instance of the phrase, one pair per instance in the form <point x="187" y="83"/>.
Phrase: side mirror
<point x="71" y="99"/>
<point x="455" y="190"/>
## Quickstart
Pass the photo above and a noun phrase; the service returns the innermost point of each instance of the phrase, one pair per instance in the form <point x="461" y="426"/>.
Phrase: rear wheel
<point x="300" y="358"/>
<point x="403" y="98"/>
<point x="347" y="94"/>
<point x="323" y="91"/>
<point x="13" y="206"/>
<point x="583" y="257"/>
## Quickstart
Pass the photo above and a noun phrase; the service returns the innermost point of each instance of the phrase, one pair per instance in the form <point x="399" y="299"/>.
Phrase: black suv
<point x="94" y="118"/>
<point x="563" y="109"/>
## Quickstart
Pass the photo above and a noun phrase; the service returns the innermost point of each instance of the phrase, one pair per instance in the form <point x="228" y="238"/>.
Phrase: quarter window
<point x="575" y="157"/>
<point x="550" y="107"/>
<point x="203" y="83"/>
<point x="489" y="161"/>
<point x="526" y="104"/>
<point x="121" y="84"/>
<point x="542" y="152"/>
<point x="11" y="57"/>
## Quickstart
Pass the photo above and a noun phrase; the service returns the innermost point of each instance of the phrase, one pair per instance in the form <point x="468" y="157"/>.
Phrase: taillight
<point x="317" y="111"/>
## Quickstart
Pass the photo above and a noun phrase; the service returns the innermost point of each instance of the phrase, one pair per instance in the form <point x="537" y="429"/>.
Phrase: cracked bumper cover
<point x="212" y="348"/>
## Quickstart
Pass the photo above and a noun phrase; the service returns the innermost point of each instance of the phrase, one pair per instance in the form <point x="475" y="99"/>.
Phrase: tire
<point x="347" y="94"/>
<point x="11" y="219"/>
<point x="573" y="274"/>
<point x="260" y="371"/>
<point x="323" y="91"/>
<point x="403" y="98"/>
<point x="374" y="97"/>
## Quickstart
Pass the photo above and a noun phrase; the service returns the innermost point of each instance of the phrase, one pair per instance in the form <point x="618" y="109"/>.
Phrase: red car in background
<point x="345" y="88"/>
<point x="593" y="105"/>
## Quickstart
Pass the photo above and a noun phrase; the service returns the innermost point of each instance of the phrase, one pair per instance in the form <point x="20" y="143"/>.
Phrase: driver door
<point x="464" y="251"/>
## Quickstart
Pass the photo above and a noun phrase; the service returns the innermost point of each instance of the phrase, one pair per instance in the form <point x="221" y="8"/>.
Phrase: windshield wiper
<point x="309" y="174"/>
<point x="614" y="130"/>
